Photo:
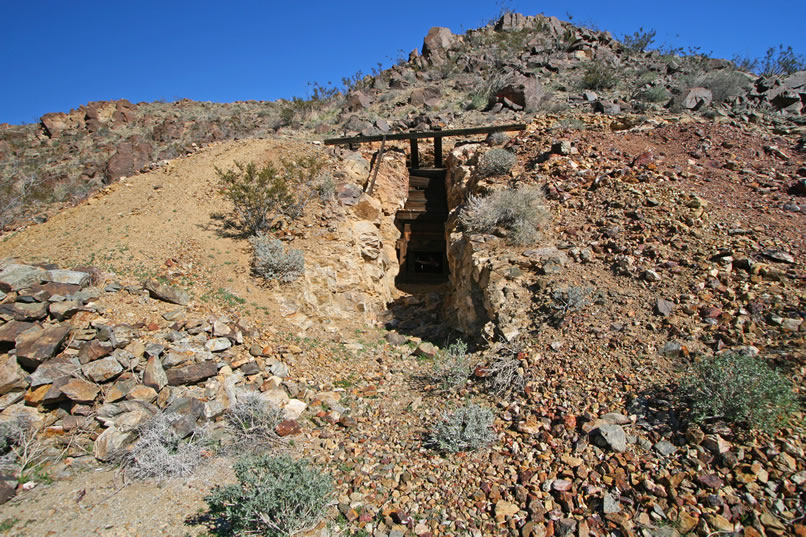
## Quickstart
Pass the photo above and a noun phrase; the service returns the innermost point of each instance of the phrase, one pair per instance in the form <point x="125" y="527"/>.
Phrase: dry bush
<point x="160" y="453"/>
<point x="252" y="421"/>
<point x="520" y="213"/>
<point x="468" y="428"/>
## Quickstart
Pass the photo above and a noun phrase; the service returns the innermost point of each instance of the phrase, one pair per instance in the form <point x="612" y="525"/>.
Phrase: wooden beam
<point x="415" y="155"/>
<point x="437" y="151"/>
<point x="426" y="134"/>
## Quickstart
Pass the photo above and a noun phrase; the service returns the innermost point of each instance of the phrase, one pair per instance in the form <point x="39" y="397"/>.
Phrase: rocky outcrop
<point x="131" y="156"/>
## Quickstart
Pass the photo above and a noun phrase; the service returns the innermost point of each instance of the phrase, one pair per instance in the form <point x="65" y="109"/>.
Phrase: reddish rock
<point x="287" y="428"/>
<point x="80" y="391"/>
<point x="12" y="329"/>
<point x="20" y="311"/>
<point x="94" y="350"/>
<point x="130" y="157"/>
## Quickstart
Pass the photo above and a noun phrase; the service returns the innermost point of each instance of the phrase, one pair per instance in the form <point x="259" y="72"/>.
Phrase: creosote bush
<point x="160" y="453"/>
<point x="260" y="193"/>
<point x="275" y="496"/>
<point x="466" y="429"/>
<point x="723" y="84"/>
<point x="452" y="367"/>
<point x="273" y="261"/>
<point x="520" y="212"/>
<point x="598" y="76"/>
<point x="739" y="389"/>
<point x="496" y="162"/>
<point x="252" y="421"/>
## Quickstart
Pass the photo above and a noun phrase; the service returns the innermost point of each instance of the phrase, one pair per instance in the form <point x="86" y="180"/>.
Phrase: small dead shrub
<point x="519" y="213"/>
<point x="160" y="453"/>
<point x="496" y="162"/>
<point x="252" y="421"/>
<point x="21" y="449"/>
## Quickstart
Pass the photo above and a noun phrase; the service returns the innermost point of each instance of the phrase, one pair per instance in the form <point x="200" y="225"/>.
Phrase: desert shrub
<point x="598" y="76"/>
<point x="784" y="61"/>
<point x="496" y="162"/>
<point x="252" y="421"/>
<point x="325" y="187"/>
<point x="723" y="84"/>
<point x="271" y="260"/>
<point x="483" y="96"/>
<point x="160" y="453"/>
<point x="739" y="389"/>
<point x="21" y="450"/>
<point x="640" y="40"/>
<point x="260" y="193"/>
<point x="452" y="367"/>
<point x="656" y="94"/>
<point x="518" y="211"/>
<point x="497" y="138"/>
<point x="275" y="496"/>
<point x="568" y="300"/>
<point x="466" y="429"/>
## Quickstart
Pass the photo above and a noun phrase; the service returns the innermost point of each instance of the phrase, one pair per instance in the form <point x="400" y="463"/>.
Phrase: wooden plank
<point x="437" y="151"/>
<point x="377" y="167"/>
<point x="415" y="155"/>
<point x="426" y="134"/>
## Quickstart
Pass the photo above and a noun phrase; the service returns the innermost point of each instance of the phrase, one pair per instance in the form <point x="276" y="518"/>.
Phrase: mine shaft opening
<point x="421" y="249"/>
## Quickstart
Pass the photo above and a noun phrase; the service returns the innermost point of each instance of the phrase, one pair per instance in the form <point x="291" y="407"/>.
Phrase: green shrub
<point x="520" y="212"/>
<point x="452" y="367"/>
<point x="466" y="429"/>
<point x="784" y="62"/>
<point x="252" y="421"/>
<point x="271" y="260"/>
<point x="657" y="94"/>
<point x="598" y="76"/>
<point x="739" y="389"/>
<point x="262" y="193"/>
<point x="275" y="496"/>
<point x="496" y="162"/>
<point x="723" y="84"/>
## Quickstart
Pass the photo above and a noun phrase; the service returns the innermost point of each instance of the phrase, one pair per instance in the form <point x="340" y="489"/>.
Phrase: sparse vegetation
<point x="161" y="453"/>
<point x="518" y="212"/>
<point x="466" y="429"/>
<point x="496" y="161"/>
<point x="260" y="193"/>
<point x="780" y="61"/>
<point x="505" y="374"/>
<point x="568" y="300"/>
<point x="275" y="496"/>
<point x="597" y="76"/>
<point x="452" y="367"/>
<point x="740" y="389"/>
<point x="21" y="450"/>
<point x="639" y="41"/>
<point x="723" y="84"/>
<point x="656" y="94"/>
<point x="271" y="259"/>
<point x="252" y="421"/>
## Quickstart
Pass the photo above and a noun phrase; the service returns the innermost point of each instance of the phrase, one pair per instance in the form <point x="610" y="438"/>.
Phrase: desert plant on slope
<point x="656" y="94"/>
<point x="598" y="76"/>
<point x="160" y="452"/>
<point x="739" y="389"/>
<point x="275" y="496"/>
<point x="21" y="450"/>
<point x="518" y="211"/>
<point x="780" y="61"/>
<point x="640" y="40"/>
<point x="260" y="193"/>
<point x="252" y="421"/>
<point x="496" y="162"/>
<point x="466" y="429"/>
<point x="452" y="367"/>
<point x="723" y="84"/>
<point x="273" y="261"/>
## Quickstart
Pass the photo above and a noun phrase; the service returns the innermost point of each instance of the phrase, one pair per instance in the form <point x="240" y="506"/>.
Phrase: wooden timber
<point x="425" y="134"/>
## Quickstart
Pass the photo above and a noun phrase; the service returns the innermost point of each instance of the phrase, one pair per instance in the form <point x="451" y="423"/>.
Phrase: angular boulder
<point x="130" y="157"/>
<point x="102" y="370"/>
<point x="154" y="375"/>
<point x="524" y="93"/>
<point x="15" y="277"/>
<point x="191" y="374"/>
<point x="696" y="98"/>
<point x="80" y="391"/>
<point x="166" y="292"/>
<point x="37" y="346"/>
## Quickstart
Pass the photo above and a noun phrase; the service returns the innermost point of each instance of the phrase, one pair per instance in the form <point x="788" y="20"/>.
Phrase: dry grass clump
<point x="518" y="213"/>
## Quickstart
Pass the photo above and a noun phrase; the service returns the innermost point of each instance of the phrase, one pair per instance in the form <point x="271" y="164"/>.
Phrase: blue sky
<point x="57" y="54"/>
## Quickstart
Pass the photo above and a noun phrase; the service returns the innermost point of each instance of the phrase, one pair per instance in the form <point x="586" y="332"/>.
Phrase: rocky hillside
<point x="512" y="69"/>
<point x="547" y="388"/>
